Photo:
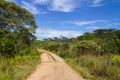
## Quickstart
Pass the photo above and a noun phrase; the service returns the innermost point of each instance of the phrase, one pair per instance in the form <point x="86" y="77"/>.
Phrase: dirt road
<point x="53" y="68"/>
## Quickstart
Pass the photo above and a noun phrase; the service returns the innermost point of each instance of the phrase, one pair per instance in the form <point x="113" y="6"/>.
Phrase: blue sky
<point x="71" y="18"/>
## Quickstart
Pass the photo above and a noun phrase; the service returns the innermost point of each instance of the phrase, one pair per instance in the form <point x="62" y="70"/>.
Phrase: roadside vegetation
<point x="19" y="67"/>
<point x="96" y="55"/>
<point x="18" y="55"/>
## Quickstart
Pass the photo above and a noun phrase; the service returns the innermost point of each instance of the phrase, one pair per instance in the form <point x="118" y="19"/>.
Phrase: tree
<point x="104" y="33"/>
<point x="16" y="24"/>
<point x="108" y="40"/>
<point x="118" y="34"/>
<point x="86" y="36"/>
<point x="87" y="47"/>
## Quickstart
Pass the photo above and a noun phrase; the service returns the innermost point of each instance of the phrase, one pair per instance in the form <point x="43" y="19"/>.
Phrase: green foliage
<point x="63" y="53"/>
<point x="19" y="67"/>
<point x="17" y="56"/>
<point x="65" y="46"/>
<point x="109" y="45"/>
<point x="95" y="67"/>
<point x="100" y="66"/>
<point x="86" y="36"/>
<point x="87" y="47"/>
<point x="116" y="59"/>
<point x="105" y="33"/>
<point x="82" y="70"/>
<point x="75" y="41"/>
<point x="17" y="27"/>
<point x="56" y="39"/>
<point x="53" y="47"/>
<point x="63" y="50"/>
<point x="7" y="46"/>
<point x="108" y="39"/>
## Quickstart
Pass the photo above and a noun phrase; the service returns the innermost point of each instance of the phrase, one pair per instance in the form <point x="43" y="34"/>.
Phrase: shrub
<point x="87" y="47"/>
<point x="52" y="47"/>
<point x="7" y="47"/>
<point x="116" y="59"/>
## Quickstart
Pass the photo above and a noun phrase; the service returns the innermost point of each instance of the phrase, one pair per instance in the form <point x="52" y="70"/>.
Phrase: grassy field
<point x="19" y="67"/>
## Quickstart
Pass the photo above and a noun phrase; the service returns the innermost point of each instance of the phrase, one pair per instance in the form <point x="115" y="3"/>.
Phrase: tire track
<point x="53" y="67"/>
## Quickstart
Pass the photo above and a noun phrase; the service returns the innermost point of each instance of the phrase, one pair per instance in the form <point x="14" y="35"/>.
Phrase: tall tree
<point x="16" y="24"/>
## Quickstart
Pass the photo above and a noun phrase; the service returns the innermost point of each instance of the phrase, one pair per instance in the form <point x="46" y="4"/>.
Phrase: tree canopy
<point x="17" y="28"/>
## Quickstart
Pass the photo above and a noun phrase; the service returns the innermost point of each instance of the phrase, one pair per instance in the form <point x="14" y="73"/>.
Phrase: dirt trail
<point x="53" y="68"/>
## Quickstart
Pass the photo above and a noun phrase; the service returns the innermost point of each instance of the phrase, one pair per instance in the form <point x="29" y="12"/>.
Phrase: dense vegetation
<point x="17" y="53"/>
<point x="17" y="27"/>
<point x="95" y="55"/>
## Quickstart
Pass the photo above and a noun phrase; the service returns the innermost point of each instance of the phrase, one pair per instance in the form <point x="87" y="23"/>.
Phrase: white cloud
<point x="64" y="5"/>
<point x="59" y="5"/>
<point x="50" y="33"/>
<point x="97" y="3"/>
<point x="30" y="7"/>
<point x="95" y="24"/>
<point x="83" y="23"/>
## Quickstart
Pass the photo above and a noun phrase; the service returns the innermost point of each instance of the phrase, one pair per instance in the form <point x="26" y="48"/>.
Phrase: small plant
<point x="116" y="59"/>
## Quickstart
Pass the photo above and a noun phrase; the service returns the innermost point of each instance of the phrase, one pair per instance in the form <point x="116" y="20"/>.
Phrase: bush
<point x="63" y="53"/>
<point x="7" y="47"/>
<point x="65" y="46"/>
<point x="87" y="47"/>
<point x="63" y="50"/>
<point x="25" y="51"/>
<point x="52" y="47"/>
<point x="116" y="59"/>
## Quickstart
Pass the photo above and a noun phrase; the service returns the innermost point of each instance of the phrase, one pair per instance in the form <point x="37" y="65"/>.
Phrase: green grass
<point x="84" y="72"/>
<point x="19" y="67"/>
<point x="96" y="67"/>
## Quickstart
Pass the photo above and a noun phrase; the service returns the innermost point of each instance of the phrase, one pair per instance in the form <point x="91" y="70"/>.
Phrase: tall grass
<point x="96" y="67"/>
<point x="19" y="67"/>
